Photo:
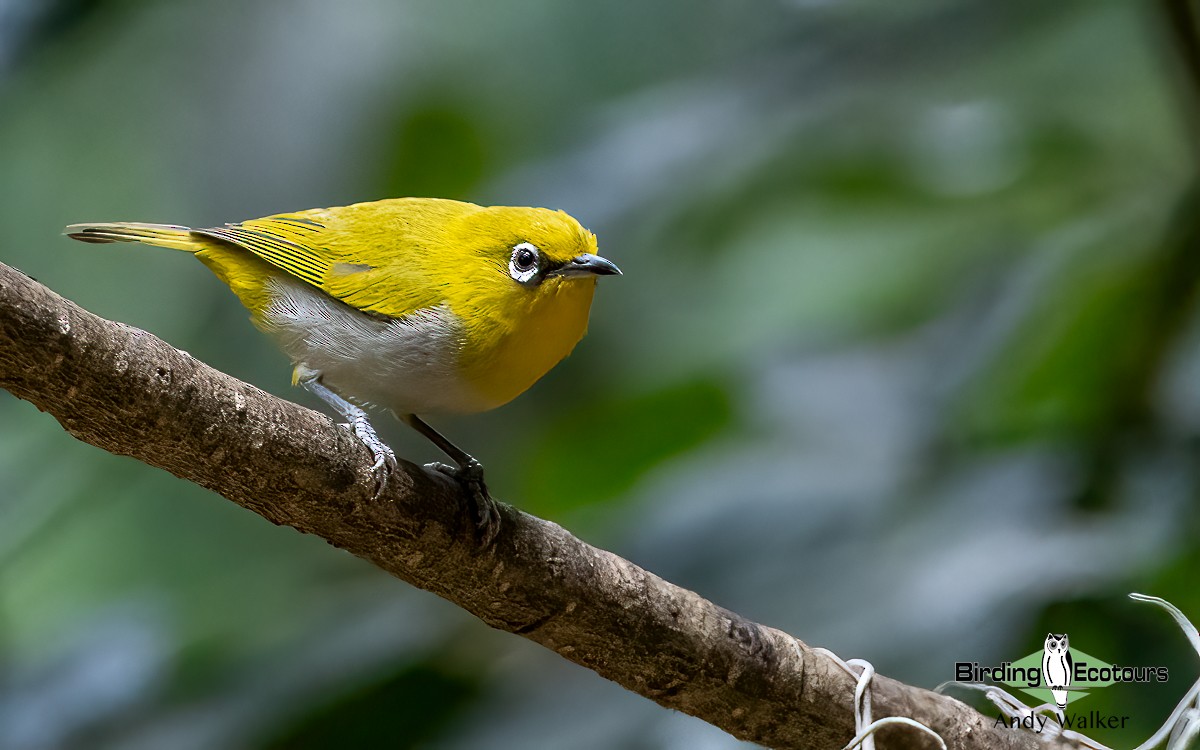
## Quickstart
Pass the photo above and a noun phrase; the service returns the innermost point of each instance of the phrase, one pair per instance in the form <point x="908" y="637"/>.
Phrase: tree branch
<point x="128" y="392"/>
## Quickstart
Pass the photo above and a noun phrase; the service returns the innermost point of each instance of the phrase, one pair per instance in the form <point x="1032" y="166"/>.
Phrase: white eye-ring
<point x="523" y="265"/>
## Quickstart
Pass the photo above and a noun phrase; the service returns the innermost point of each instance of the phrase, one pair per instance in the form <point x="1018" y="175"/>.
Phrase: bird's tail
<point x="160" y="235"/>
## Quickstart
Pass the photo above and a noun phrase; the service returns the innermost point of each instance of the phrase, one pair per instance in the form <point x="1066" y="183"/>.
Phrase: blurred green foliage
<point x="438" y="150"/>
<point x="415" y="704"/>
<point x="905" y="360"/>
<point x="616" y="441"/>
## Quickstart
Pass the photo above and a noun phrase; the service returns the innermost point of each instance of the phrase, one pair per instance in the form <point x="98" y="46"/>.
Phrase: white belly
<point x="409" y="366"/>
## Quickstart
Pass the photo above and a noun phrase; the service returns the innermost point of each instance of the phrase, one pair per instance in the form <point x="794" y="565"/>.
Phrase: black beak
<point x="588" y="265"/>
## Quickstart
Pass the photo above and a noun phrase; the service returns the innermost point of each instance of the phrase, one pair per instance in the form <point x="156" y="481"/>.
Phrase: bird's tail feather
<point x="160" y="235"/>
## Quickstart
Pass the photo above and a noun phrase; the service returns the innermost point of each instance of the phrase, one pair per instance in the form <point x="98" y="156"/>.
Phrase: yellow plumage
<point x="395" y="257"/>
<point x="414" y="304"/>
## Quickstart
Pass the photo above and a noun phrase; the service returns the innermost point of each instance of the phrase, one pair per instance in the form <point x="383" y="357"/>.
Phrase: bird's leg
<point x="357" y="422"/>
<point x="469" y="474"/>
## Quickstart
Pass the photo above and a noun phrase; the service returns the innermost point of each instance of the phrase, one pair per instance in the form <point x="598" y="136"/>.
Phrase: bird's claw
<point x="385" y="463"/>
<point x="484" y="513"/>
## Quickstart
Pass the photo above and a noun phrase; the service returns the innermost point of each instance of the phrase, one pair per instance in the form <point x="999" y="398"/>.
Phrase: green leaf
<point x="599" y="449"/>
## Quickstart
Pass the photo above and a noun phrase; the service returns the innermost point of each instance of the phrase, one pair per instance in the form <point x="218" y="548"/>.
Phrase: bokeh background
<point x="905" y="359"/>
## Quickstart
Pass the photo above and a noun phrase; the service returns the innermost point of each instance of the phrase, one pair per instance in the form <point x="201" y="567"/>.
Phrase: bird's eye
<point x="524" y="262"/>
<point x="525" y="256"/>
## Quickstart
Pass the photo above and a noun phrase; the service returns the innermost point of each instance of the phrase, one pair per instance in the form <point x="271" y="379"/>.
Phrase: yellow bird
<point x="415" y="305"/>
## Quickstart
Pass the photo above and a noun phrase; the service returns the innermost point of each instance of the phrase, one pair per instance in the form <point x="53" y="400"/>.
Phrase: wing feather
<point x="329" y="255"/>
<point x="280" y="244"/>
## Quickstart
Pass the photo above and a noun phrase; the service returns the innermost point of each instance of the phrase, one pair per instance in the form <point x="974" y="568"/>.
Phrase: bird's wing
<point x="322" y="255"/>
<point x="289" y="243"/>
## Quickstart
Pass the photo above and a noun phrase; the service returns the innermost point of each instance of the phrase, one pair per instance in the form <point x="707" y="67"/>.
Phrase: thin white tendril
<point x="864" y="727"/>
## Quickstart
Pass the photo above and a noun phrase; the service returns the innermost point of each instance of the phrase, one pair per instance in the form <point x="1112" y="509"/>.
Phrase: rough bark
<point x="130" y="393"/>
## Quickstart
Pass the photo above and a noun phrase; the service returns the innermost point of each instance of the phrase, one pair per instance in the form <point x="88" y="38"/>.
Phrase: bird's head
<point x="517" y="262"/>
<point x="528" y="279"/>
<point x="532" y="251"/>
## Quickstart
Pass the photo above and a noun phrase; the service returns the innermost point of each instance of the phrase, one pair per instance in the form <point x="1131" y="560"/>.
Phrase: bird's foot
<point x="385" y="460"/>
<point x="484" y="514"/>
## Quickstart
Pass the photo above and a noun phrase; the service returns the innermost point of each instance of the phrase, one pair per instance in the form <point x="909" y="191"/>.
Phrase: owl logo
<point x="1057" y="668"/>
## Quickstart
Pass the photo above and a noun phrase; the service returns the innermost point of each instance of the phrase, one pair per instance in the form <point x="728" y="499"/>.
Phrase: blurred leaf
<point x="438" y="151"/>
<point x="861" y="179"/>
<point x="404" y="711"/>
<point x="1068" y="370"/>
<point x="599" y="450"/>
